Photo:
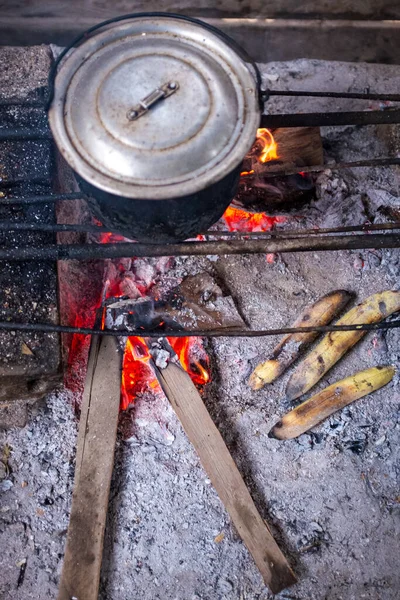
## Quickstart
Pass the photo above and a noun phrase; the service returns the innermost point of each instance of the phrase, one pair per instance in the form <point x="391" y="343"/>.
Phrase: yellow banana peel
<point x="336" y="343"/>
<point x="291" y="346"/>
<point x="336" y="396"/>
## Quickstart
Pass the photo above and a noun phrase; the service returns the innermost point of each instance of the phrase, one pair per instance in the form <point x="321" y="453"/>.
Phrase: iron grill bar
<point x="220" y="247"/>
<point x="5" y="102"/>
<point x="10" y="226"/>
<point x="265" y="235"/>
<point x="25" y="103"/>
<point x="306" y="232"/>
<point x="23" y="134"/>
<point x="373" y="117"/>
<point x="331" y="119"/>
<point x="372" y="162"/>
<point x="42" y="199"/>
<point x="355" y="95"/>
<point x="219" y="332"/>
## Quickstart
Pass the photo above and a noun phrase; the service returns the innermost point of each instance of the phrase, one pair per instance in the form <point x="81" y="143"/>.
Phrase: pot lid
<point x="154" y="108"/>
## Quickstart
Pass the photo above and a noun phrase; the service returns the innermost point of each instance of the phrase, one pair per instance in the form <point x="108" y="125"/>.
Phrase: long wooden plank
<point x="94" y="464"/>
<point x="225" y="477"/>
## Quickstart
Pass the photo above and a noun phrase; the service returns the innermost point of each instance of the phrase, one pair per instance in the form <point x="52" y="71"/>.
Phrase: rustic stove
<point x="35" y="204"/>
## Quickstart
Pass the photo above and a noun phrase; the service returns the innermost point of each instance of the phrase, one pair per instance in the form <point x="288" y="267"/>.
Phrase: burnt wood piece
<point x="296" y="148"/>
<point x="29" y="363"/>
<point x="225" y="477"/>
<point x="94" y="465"/>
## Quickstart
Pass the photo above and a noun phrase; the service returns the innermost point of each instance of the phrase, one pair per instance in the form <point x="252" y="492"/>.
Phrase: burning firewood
<point x="275" y="152"/>
<point x="292" y="345"/>
<point x="333" y="398"/>
<point x="336" y="343"/>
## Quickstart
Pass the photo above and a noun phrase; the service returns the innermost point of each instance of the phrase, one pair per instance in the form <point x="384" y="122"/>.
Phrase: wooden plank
<point x="225" y="477"/>
<point x="264" y="39"/>
<point x="94" y="464"/>
<point x="102" y="9"/>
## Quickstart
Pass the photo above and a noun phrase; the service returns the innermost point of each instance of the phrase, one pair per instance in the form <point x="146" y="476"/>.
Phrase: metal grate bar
<point x="372" y="162"/>
<point x="41" y="199"/>
<point x="12" y="135"/>
<point x="265" y="235"/>
<point x="355" y="95"/>
<point x="11" y="226"/>
<point x="331" y="119"/>
<point x="220" y="332"/>
<point x="220" y="247"/>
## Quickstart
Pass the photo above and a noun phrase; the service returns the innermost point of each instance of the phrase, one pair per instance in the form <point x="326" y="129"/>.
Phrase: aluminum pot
<point x="155" y="113"/>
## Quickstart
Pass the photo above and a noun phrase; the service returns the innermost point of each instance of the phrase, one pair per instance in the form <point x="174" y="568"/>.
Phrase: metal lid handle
<point x="158" y="94"/>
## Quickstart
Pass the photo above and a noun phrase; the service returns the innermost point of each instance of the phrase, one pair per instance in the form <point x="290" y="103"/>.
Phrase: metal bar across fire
<point x="219" y="332"/>
<point x="220" y="247"/>
<point x="274" y="121"/>
<point x="274" y="171"/>
<point x="265" y="235"/>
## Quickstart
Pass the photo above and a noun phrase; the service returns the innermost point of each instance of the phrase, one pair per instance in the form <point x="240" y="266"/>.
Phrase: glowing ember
<point x="237" y="219"/>
<point x="269" y="148"/>
<point x="137" y="374"/>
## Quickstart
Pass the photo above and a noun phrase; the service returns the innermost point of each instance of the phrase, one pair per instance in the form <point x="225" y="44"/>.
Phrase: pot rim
<point x="245" y="130"/>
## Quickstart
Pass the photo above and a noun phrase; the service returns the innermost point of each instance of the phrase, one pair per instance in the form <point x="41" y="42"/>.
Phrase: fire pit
<point x="343" y="206"/>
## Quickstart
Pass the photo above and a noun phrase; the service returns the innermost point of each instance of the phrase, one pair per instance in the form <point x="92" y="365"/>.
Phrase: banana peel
<point x="333" y="398"/>
<point x="335" y="344"/>
<point x="292" y="345"/>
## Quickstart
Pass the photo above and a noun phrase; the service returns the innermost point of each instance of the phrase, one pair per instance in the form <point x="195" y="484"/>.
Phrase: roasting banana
<point x="336" y="343"/>
<point x="336" y="396"/>
<point x="292" y="345"/>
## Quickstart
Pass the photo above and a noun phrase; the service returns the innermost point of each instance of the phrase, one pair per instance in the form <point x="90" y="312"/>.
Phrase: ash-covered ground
<point x="331" y="497"/>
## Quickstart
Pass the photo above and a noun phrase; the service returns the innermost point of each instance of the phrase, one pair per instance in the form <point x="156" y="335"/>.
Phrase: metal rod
<point x="25" y="103"/>
<point x="12" y="135"/>
<point x="356" y="95"/>
<point x="42" y="199"/>
<point x="286" y="233"/>
<point x="265" y="235"/>
<point x="332" y="119"/>
<point x="10" y="226"/>
<point x="373" y="162"/>
<point x="221" y="247"/>
<point x="218" y="332"/>
<point x="374" y="117"/>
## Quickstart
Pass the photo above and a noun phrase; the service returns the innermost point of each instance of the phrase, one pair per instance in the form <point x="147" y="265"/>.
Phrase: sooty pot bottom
<point x="169" y="220"/>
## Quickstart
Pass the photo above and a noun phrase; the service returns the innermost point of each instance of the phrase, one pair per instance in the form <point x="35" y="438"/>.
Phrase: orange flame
<point x="138" y="375"/>
<point x="269" y="148"/>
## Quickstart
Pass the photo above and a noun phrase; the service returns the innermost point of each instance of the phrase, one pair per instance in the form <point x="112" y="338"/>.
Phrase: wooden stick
<point x="225" y="477"/>
<point x="94" y="464"/>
